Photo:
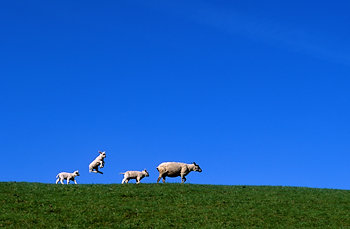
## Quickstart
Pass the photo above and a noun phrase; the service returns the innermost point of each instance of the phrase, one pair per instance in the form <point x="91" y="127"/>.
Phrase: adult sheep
<point x="175" y="169"/>
<point x="99" y="161"/>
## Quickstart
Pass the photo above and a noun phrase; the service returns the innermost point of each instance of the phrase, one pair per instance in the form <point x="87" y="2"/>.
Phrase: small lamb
<point x="67" y="176"/>
<point x="99" y="161"/>
<point x="128" y="175"/>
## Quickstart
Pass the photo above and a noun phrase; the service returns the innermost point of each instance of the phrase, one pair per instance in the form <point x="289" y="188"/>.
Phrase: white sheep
<point x="128" y="175"/>
<point x="99" y="161"/>
<point x="67" y="176"/>
<point x="175" y="169"/>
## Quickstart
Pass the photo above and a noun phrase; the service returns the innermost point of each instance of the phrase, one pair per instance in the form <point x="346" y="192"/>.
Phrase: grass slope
<point x="39" y="205"/>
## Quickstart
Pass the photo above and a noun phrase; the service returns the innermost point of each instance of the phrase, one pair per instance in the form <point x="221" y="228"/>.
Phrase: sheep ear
<point x="100" y="152"/>
<point x="194" y="163"/>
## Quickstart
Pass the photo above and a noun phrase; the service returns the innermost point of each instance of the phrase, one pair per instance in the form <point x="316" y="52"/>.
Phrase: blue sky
<point x="257" y="93"/>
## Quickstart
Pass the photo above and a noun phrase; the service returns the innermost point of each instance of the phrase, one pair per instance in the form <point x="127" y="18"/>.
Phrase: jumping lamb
<point x="175" y="169"/>
<point x="99" y="161"/>
<point x="128" y="175"/>
<point x="67" y="176"/>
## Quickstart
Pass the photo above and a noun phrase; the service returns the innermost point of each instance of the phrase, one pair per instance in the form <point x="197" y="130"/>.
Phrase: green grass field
<point x="36" y="205"/>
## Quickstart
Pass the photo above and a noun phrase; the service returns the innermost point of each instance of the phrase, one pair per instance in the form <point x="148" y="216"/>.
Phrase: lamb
<point x="67" y="176"/>
<point x="175" y="169"/>
<point x="99" y="161"/>
<point x="128" y="175"/>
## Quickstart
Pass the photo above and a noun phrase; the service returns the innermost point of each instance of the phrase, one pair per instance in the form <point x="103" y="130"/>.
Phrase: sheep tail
<point x="121" y="173"/>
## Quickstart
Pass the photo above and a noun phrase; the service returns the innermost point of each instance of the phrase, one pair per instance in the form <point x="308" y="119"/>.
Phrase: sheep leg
<point x="58" y="179"/>
<point x="127" y="180"/>
<point x="163" y="179"/>
<point x="137" y="180"/>
<point x="97" y="171"/>
<point x="61" y="181"/>
<point x="183" y="179"/>
<point x="123" y="180"/>
<point x="75" y="181"/>
<point x="160" y="177"/>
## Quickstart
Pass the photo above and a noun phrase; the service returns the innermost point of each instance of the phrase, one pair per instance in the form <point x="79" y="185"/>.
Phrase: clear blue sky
<point x="255" y="92"/>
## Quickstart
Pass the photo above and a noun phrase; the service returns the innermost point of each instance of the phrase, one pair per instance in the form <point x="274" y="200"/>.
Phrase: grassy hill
<point x="39" y="205"/>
